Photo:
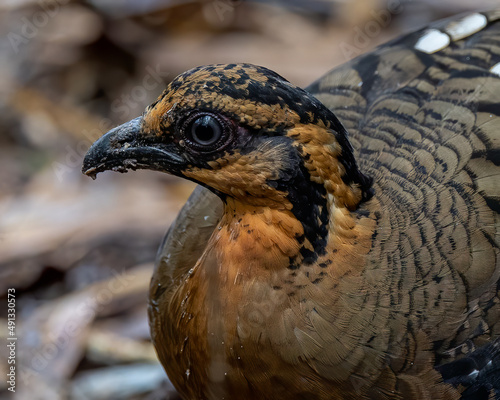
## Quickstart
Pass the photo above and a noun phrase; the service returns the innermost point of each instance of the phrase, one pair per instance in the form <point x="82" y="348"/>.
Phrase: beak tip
<point x="101" y="155"/>
<point x="88" y="168"/>
<point x="91" y="174"/>
<point x="122" y="149"/>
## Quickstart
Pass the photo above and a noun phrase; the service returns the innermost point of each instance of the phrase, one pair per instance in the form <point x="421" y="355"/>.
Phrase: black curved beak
<point x="125" y="147"/>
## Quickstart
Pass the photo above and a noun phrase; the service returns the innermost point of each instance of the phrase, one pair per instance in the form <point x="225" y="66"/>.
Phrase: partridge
<point x="344" y="242"/>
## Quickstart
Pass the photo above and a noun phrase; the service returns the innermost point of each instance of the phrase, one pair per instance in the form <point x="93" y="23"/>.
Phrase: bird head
<point x="242" y="131"/>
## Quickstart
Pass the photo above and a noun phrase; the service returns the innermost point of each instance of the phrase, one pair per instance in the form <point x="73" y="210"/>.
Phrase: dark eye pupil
<point x="206" y="130"/>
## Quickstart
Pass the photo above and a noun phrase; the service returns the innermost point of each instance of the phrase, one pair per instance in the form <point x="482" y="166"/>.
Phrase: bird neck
<point x="326" y="189"/>
<point x="262" y="237"/>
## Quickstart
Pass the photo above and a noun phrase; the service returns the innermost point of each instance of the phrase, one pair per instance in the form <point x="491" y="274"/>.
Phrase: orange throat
<point x="250" y="237"/>
<point x="257" y="243"/>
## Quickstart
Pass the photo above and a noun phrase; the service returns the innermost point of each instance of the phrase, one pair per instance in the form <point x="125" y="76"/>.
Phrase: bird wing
<point x="188" y="235"/>
<point x="423" y="113"/>
<point x="184" y="242"/>
<point x="479" y="372"/>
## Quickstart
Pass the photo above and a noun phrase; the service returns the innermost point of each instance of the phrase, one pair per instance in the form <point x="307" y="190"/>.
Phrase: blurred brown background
<point x="78" y="252"/>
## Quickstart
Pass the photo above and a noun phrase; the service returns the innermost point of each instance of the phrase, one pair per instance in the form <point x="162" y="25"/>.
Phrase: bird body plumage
<point x="331" y="271"/>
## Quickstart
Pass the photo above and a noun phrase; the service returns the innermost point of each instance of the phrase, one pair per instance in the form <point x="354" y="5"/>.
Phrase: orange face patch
<point x="247" y="176"/>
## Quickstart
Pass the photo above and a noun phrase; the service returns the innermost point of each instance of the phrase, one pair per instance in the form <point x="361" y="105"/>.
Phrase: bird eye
<point x="206" y="132"/>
